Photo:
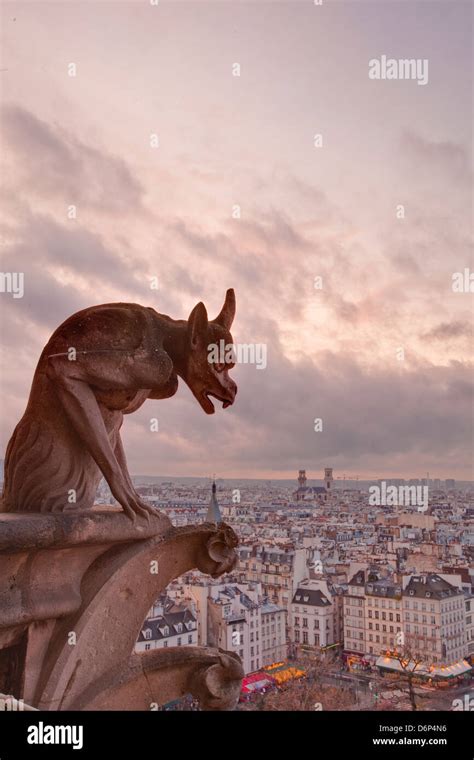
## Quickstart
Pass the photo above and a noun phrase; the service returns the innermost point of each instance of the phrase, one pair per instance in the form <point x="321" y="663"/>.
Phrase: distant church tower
<point x="213" y="513"/>
<point x="302" y="478"/>
<point x="328" y="479"/>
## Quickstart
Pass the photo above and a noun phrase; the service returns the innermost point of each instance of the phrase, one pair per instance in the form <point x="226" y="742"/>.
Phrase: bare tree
<point x="310" y="692"/>
<point x="411" y="661"/>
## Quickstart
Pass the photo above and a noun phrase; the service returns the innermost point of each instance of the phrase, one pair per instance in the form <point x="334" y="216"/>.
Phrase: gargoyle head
<point x="218" y="554"/>
<point x="210" y="355"/>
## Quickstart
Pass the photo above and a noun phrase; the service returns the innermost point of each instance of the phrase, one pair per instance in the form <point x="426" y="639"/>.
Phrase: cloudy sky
<point x="382" y="352"/>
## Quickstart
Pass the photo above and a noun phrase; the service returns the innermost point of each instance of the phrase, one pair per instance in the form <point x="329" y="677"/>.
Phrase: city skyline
<point x="379" y="347"/>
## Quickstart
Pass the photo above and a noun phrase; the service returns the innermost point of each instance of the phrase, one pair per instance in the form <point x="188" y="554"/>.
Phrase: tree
<point x="309" y="693"/>
<point x="411" y="662"/>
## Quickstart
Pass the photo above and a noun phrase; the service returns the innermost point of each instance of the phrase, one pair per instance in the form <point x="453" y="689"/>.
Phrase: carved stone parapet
<point x="75" y="589"/>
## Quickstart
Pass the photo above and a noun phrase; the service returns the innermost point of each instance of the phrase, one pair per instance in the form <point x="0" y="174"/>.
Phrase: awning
<point x="428" y="671"/>
<point x="251" y="686"/>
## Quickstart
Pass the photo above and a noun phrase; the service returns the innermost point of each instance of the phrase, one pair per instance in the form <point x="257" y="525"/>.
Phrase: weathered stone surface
<point x="95" y="579"/>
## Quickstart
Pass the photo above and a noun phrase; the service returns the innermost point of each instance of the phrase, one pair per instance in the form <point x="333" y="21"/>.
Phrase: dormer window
<point x="179" y="628"/>
<point x="147" y="633"/>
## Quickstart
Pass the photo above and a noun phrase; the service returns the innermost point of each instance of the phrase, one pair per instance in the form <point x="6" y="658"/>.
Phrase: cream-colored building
<point x="313" y="619"/>
<point x="277" y="568"/>
<point x="426" y="614"/>
<point x="238" y="617"/>
<point x="434" y="618"/>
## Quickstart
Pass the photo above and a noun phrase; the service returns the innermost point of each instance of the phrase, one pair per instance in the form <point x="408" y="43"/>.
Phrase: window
<point x="305" y="624"/>
<point x="165" y="643"/>
<point x="305" y="637"/>
<point x="190" y="638"/>
<point x="297" y="637"/>
<point x="179" y="641"/>
<point x="147" y="646"/>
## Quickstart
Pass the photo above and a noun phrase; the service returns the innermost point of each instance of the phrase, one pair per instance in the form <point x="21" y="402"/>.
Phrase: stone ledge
<point x="100" y="525"/>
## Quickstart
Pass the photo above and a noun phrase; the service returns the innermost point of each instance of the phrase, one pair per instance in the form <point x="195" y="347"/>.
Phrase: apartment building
<point x="314" y="616"/>
<point x="469" y="602"/>
<point x="168" y="625"/>
<point x="434" y="618"/>
<point x="237" y="617"/>
<point x="426" y="615"/>
<point x="277" y="568"/>
<point x="383" y="615"/>
<point x="355" y="640"/>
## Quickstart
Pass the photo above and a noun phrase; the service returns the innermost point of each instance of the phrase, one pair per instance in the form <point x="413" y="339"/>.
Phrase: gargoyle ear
<point x="227" y="313"/>
<point x="197" y="325"/>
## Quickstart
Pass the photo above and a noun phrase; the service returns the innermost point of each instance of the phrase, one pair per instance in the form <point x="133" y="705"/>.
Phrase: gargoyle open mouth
<point x="207" y="404"/>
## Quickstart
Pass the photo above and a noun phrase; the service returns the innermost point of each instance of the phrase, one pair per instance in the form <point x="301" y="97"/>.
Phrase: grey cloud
<point x="449" y="158"/>
<point x="367" y="417"/>
<point x="449" y="330"/>
<point x="56" y="164"/>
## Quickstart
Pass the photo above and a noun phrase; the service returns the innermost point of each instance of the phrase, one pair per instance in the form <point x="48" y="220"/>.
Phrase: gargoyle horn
<point x="227" y="313"/>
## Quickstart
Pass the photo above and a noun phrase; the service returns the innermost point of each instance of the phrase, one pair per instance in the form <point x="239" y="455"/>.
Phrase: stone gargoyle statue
<point x="77" y="580"/>
<point x="101" y="363"/>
